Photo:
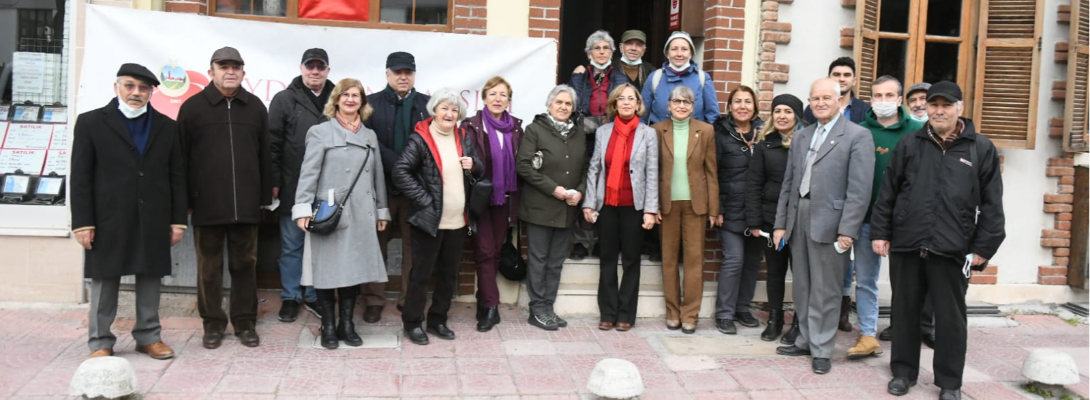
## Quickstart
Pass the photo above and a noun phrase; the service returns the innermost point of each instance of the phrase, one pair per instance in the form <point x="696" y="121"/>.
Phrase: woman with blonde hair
<point x="341" y="159"/>
<point x="622" y="199"/>
<point x="764" y="180"/>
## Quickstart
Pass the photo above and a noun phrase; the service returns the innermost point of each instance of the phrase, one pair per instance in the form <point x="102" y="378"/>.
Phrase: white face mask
<point x="129" y="112"/>
<point x="884" y="109"/>
<point x="630" y="62"/>
<point x="922" y="118"/>
<point x="601" y="66"/>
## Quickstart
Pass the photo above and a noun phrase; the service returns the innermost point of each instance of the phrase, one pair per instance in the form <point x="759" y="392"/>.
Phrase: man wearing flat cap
<point x="128" y="206"/>
<point x="398" y="108"/>
<point x="633" y="46"/>
<point x="292" y="112"/>
<point x="225" y="137"/>
<point x="938" y="217"/>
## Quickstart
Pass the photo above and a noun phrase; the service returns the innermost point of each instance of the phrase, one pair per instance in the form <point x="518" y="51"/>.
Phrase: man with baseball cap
<point x="224" y="132"/>
<point x="935" y="238"/>
<point x="633" y="46"/>
<point x="128" y="207"/>
<point x="398" y="108"/>
<point x="291" y="114"/>
<point x="916" y="99"/>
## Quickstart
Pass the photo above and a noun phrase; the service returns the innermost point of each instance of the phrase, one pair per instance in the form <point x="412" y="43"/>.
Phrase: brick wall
<point x="187" y="6"/>
<point x="724" y="31"/>
<point x="773" y="33"/>
<point x="545" y="19"/>
<point x="1060" y="205"/>
<point x="470" y="17"/>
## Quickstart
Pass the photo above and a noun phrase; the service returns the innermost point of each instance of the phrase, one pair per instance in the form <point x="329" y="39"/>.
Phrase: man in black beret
<point x="128" y="206"/>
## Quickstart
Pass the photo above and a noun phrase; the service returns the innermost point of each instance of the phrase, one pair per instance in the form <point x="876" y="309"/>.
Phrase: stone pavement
<point x="40" y="349"/>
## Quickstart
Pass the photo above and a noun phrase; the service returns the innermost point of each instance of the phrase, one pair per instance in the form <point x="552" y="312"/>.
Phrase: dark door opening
<point x="580" y="18"/>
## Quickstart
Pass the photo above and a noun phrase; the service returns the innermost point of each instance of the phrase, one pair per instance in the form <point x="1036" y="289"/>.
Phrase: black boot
<point x="775" y="326"/>
<point x="845" y="308"/>
<point x="793" y="333"/>
<point x="487" y="318"/>
<point x="346" y="329"/>
<point x="329" y="321"/>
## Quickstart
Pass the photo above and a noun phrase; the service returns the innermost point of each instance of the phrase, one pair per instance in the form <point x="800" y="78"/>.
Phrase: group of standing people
<point x="623" y="149"/>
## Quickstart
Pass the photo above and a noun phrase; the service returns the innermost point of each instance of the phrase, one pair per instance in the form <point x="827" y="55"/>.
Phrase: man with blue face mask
<point x="128" y="207"/>
<point x="916" y="100"/>
<point x="888" y="121"/>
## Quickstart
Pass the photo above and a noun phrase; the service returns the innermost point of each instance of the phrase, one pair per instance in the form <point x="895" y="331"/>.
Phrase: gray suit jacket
<point x="840" y="182"/>
<point x="644" y="169"/>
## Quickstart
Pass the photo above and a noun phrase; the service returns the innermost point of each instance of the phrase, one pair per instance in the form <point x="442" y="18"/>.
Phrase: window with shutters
<point x="430" y="15"/>
<point x="1078" y="84"/>
<point x="990" y="48"/>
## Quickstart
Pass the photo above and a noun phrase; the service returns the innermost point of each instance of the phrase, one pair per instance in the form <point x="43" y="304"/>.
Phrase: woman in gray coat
<point x="336" y="151"/>
<point x="623" y="201"/>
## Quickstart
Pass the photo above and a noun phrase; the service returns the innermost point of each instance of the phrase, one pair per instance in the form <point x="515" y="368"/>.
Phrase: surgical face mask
<point x="128" y="111"/>
<point x="630" y="62"/>
<point x="601" y="66"/>
<point x="884" y="109"/>
<point x="922" y="118"/>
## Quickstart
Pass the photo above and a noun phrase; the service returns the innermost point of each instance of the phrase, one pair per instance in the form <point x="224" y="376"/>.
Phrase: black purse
<point x="327" y="216"/>
<point x="480" y="195"/>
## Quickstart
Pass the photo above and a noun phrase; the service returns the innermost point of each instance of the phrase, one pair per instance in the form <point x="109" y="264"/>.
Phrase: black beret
<point x="139" y="72"/>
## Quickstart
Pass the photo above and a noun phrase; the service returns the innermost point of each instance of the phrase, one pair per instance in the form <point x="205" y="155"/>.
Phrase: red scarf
<point x="618" y="183"/>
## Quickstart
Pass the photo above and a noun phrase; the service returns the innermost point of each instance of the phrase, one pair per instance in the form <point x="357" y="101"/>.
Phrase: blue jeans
<point x="291" y="262"/>
<point x="867" y="266"/>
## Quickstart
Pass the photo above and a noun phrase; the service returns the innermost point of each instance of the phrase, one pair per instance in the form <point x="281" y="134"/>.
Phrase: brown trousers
<point x="374" y="293"/>
<point x="683" y="227"/>
<point x="241" y="263"/>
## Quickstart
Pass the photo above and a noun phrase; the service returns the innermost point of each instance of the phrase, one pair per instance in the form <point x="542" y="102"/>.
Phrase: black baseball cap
<point x="315" y="54"/>
<point x="399" y="60"/>
<point x="945" y="89"/>
<point x="139" y="72"/>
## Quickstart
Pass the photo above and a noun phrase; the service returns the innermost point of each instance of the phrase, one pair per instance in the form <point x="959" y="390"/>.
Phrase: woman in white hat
<point x="679" y="69"/>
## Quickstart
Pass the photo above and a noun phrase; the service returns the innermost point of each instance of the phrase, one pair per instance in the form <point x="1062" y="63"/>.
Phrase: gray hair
<point x="682" y="92"/>
<point x="561" y="89"/>
<point x="888" y="78"/>
<point x="599" y="36"/>
<point x="447" y="95"/>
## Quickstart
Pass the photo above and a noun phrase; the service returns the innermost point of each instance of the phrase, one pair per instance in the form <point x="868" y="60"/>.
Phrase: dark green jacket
<point x="563" y="163"/>
<point x="885" y="140"/>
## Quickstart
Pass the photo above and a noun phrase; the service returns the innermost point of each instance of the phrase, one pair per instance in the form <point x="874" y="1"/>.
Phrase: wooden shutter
<point x="866" y="45"/>
<point x="1008" y="71"/>
<point x="1075" y="111"/>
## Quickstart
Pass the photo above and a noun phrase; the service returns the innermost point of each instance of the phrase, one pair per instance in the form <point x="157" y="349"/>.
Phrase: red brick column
<point x="545" y="19"/>
<point x="187" y="6"/>
<point x="470" y="17"/>
<point x="770" y="72"/>
<point x="1060" y="205"/>
<point x="724" y="31"/>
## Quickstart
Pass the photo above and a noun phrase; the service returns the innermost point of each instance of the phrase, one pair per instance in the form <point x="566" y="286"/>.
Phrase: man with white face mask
<point x="633" y="46"/>
<point x="888" y="122"/>
<point x="128" y="207"/>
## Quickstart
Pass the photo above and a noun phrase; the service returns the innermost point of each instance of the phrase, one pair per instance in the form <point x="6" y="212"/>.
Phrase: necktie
<point x="804" y="188"/>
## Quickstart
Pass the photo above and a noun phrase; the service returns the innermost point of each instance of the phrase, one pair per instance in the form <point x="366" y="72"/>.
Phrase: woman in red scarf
<point x="622" y="200"/>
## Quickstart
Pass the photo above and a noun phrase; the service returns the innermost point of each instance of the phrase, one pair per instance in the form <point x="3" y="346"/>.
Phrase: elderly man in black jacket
<point x="224" y="131"/>
<point x="292" y="112"/>
<point x="128" y="207"/>
<point x="940" y="211"/>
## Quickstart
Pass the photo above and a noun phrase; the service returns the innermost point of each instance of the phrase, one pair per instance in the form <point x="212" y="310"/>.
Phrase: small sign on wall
<point x="675" y="14"/>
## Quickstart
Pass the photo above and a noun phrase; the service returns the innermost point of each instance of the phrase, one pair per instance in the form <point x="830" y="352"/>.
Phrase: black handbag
<point x="480" y="195"/>
<point x="512" y="266"/>
<point x="326" y="216"/>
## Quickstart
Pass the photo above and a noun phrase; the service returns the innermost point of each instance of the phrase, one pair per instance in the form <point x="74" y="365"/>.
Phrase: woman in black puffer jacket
<point x="735" y="135"/>
<point x="765" y="178"/>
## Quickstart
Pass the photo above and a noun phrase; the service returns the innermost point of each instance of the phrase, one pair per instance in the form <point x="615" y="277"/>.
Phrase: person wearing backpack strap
<point x="939" y="215"/>
<point x="679" y="69"/>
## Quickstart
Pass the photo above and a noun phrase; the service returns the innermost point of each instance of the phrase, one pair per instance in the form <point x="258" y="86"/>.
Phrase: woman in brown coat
<point x="689" y="196"/>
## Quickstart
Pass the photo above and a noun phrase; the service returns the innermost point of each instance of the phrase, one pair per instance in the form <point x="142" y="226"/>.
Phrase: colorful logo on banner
<point x="176" y="85"/>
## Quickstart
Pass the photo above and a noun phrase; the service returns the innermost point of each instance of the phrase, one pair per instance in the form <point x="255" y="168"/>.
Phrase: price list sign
<point x="33" y="148"/>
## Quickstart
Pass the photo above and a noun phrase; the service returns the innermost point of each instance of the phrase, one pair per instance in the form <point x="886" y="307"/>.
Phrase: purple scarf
<point x="503" y="159"/>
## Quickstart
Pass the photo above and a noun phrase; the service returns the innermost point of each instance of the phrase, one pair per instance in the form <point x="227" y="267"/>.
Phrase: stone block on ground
<point x="109" y="377"/>
<point x="614" y="378"/>
<point x="1052" y="367"/>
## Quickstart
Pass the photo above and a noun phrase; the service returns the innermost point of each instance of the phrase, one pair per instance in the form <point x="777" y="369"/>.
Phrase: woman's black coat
<point x="764" y="179"/>
<point x="732" y="158"/>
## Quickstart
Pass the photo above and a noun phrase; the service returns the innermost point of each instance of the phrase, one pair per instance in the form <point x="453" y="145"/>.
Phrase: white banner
<point x="178" y="48"/>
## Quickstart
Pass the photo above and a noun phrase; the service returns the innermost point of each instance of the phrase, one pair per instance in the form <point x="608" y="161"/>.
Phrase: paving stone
<point x="528" y="347"/>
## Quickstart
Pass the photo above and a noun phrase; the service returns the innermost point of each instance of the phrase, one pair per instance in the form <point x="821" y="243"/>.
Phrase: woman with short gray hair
<point x="552" y="148"/>
<point x="431" y="174"/>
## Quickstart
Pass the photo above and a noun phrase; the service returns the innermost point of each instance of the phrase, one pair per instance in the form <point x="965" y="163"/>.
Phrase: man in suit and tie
<point x="826" y="191"/>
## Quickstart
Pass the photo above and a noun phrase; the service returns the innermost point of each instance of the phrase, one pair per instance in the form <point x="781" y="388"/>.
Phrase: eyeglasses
<point x="316" y="66"/>
<point x="681" y="102"/>
<point x="134" y="87"/>
<point x="629" y="99"/>
<point x="601" y="48"/>
<point x="351" y="96"/>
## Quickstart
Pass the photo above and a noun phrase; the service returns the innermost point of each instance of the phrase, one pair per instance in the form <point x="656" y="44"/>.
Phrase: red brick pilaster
<point x="1060" y="204"/>
<point x="545" y="19"/>
<point x="470" y="17"/>
<point x="773" y="33"/>
<point x="724" y="32"/>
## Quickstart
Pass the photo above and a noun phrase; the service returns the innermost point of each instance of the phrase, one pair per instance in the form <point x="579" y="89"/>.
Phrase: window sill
<point x="28" y="220"/>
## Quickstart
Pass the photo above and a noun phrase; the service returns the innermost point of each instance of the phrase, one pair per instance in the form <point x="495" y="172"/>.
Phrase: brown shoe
<point x="158" y="351"/>
<point x="605" y="326"/>
<point x="865" y="347"/>
<point x="623" y="326"/>
<point x="101" y="353"/>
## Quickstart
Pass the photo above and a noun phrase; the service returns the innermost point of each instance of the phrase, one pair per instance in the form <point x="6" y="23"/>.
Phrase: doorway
<point x="580" y="18"/>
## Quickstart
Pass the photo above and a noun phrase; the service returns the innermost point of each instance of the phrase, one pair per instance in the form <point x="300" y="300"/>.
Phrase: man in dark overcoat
<point x="128" y="206"/>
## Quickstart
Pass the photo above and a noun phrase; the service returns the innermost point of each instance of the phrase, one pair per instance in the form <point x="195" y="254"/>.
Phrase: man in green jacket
<point x="888" y="121"/>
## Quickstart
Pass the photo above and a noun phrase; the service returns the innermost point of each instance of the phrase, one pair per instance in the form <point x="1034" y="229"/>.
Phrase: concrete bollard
<point x="614" y="378"/>
<point x="109" y="377"/>
<point x="1051" y="367"/>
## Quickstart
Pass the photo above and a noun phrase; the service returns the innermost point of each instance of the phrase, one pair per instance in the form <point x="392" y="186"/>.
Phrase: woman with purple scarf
<point x="496" y="134"/>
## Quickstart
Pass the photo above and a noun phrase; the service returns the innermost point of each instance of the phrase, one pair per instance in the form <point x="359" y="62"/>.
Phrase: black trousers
<point x="620" y="232"/>
<point x="777" y="263"/>
<point x="939" y="279"/>
<point x="440" y="254"/>
<point x="241" y="246"/>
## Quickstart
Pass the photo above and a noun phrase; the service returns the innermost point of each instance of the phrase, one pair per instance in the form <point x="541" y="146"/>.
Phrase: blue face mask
<point x="921" y="119"/>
